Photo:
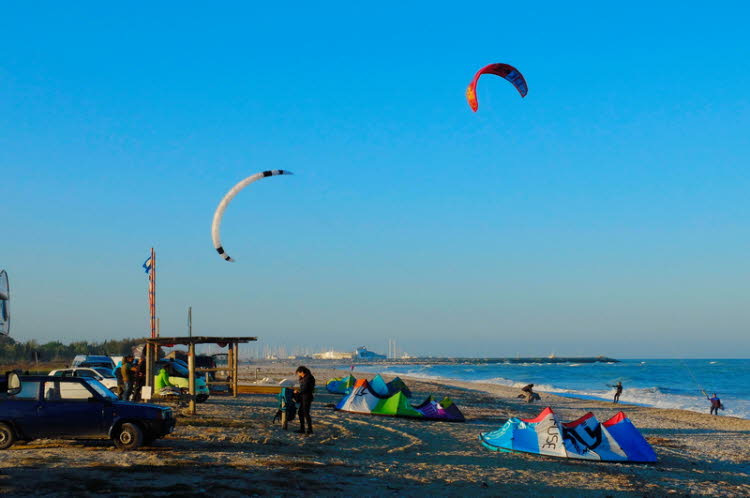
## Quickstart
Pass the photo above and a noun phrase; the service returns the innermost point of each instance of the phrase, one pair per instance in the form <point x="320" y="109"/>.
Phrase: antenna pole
<point x="190" y="321"/>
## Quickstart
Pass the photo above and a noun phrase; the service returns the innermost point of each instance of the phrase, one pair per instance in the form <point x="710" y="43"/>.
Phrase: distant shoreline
<point x="452" y="361"/>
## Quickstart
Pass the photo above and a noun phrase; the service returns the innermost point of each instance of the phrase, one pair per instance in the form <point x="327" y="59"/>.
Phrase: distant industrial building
<point x="363" y="354"/>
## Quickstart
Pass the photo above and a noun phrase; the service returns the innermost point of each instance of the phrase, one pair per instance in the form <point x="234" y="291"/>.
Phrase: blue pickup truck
<point x="33" y="407"/>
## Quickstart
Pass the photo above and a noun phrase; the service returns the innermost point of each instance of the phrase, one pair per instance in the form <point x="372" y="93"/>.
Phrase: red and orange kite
<point x="504" y="71"/>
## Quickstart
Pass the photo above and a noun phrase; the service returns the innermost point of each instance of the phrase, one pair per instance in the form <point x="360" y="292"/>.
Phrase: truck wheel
<point x="7" y="436"/>
<point x="201" y="398"/>
<point x="130" y="437"/>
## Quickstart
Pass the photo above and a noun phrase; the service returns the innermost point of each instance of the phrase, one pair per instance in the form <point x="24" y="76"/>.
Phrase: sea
<point x="657" y="383"/>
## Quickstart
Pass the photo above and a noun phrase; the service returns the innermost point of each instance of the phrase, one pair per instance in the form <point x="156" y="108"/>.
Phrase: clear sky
<point x="605" y="213"/>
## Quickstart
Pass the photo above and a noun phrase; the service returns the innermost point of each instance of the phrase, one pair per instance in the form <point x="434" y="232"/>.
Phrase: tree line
<point x="14" y="351"/>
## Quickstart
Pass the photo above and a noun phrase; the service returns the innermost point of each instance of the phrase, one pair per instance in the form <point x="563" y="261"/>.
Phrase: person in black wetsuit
<point x="305" y="398"/>
<point x="618" y="392"/>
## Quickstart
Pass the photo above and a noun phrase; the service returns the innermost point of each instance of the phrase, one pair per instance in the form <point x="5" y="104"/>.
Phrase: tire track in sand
<point x="340" y="422"/>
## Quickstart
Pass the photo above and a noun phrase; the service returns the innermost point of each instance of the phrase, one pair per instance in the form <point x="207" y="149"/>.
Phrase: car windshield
<point x="95" y="364"/>
<point x="105" y="372"/>
<point x="100" y="389"/>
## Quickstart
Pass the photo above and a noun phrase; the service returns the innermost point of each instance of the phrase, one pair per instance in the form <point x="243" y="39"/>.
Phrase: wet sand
<point x="230" y="448"/>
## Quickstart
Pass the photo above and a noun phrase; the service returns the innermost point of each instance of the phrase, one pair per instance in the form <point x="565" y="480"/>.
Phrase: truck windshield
<point x="100" y="389"/>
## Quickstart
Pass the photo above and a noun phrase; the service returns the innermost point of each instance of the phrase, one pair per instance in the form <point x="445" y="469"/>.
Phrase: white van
<point x="102" y="374"/>
<point x="88" y="360"/>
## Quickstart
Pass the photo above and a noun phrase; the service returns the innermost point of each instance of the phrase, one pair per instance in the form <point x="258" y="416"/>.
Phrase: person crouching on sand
<point x="528" y="393"/>
<point x="715" y="404"/>
<point x="305" y="398"/>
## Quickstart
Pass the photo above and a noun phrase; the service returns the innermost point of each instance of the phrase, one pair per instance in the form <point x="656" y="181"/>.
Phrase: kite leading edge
<point x="505" y="71"/>
<point x="219" y="213"/>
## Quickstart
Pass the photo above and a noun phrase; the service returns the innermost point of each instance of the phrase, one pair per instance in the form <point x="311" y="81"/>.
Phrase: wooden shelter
<point x="232" y="343"/>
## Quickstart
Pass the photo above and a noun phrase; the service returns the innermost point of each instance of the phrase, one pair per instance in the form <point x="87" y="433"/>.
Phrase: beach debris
<point x="505" y="71"/>
<point x="219" y="213"/>
<point x="615" y="440"/>
<point x="167" y="391"/>
<point x="364" y="399"/>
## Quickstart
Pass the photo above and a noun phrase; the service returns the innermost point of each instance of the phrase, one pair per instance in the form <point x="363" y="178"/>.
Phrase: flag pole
<point x="152" y="292"/>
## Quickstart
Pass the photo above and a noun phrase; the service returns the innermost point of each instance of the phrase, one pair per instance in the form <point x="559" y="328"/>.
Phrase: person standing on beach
<point x="117" y="372"/>
<point x="715" y="404"/>
<point x="618" y="392"/>
<point x="305" y="398"/>
<point x="139" y="378"/>
<point x="126" y="371"/>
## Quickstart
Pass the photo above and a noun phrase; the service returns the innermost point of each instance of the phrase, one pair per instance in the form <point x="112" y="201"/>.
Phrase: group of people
<point x="131" y="376"/>
<point x="298" y="402"/>
<point x="716" y="404"/>
<point x="527" y="392"/>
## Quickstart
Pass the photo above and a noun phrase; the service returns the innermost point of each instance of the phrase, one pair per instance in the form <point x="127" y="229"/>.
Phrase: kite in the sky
<point x="504" y="71"/>
<point x="228" y="198"/>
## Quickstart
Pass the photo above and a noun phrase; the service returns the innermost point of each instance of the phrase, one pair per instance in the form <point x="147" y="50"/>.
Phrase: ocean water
<point x="658" y="383"/>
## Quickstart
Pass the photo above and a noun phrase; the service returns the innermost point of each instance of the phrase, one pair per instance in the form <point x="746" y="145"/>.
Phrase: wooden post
<point x="149" y="381"/>
<point x="230" y="366"/>
<point x="235" y="369"/>
<point x="191" y="376"/>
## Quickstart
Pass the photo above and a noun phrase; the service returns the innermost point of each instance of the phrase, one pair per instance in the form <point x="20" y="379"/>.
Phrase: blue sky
<point x="605" y="213"/>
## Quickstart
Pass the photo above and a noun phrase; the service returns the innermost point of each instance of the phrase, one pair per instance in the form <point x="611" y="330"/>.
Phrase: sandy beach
<point x="230" y="448"/>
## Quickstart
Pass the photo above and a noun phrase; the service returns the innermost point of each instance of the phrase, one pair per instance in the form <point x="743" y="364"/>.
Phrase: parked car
<point x="60" y="407"/>
<point x="102" y="374"/>
<point x="178" y="377"/>
<point x="83" y="360"/>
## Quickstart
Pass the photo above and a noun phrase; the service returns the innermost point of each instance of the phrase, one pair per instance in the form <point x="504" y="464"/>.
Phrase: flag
<point x="147" y="264"/>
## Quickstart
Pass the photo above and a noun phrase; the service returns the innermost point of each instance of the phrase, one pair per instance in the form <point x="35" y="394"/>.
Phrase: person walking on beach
<point x="715" y="404"/>
<point x="618" y="392"/>
<point x="305" y="398"/>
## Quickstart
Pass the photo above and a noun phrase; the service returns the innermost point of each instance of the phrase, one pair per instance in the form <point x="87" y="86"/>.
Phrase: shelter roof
<point x="162" y="341"/>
